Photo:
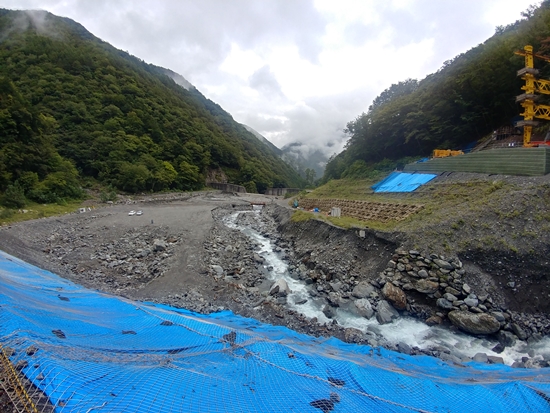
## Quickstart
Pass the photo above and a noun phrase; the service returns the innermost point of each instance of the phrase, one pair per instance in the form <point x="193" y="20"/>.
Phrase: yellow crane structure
<point x="533" y="85"/>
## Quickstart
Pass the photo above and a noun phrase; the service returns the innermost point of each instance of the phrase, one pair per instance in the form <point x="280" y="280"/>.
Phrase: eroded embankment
<point x="367" y="272"/>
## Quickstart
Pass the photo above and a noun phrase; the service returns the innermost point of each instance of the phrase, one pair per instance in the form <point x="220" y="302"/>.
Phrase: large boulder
<point x="353" y="335"/>
<point x="364" y="308"/>
<point x="385" y="312"/>
<point x="362" y="290"/>
<point x="474" y="323"/>
<point x="506" y="339"/>
<point x="279" y="288"/>
<point x="395" y="296"/>
<point x="426" y="286"/>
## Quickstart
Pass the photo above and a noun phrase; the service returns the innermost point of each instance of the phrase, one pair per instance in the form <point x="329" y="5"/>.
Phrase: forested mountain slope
<point x="469" y="97"/>
<point x="74" y="108"/>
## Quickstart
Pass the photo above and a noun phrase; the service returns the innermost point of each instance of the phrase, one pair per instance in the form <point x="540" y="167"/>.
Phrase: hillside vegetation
<point x="75" y="110"/>
<point x="469" y="97"/>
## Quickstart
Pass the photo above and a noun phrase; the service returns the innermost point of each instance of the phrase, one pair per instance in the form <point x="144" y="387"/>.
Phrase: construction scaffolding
<point x="533" y="85"/>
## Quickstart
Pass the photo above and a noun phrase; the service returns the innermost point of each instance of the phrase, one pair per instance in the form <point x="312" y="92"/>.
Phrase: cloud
<point x="265" y="81"/>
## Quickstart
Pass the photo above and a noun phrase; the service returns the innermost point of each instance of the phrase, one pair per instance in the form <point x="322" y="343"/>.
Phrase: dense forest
<point x="75" y="111"/>
<point x="468" y="98"/>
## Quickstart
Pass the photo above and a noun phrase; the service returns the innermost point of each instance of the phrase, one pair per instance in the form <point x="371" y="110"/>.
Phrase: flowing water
<point x="403" y="330"/>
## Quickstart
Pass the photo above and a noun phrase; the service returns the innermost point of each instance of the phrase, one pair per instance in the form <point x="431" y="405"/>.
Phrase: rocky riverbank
<point x="363" y="274"/>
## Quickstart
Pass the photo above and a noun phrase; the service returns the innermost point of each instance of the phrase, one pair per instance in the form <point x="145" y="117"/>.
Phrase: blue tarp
<point x="402" y="182"/>
<point x="100" y="353"/>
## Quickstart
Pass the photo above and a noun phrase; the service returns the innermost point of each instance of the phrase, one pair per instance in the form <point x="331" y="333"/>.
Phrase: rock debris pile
<point x="118" y="263"/>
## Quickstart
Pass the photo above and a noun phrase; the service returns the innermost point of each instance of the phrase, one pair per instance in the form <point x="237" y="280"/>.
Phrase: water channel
<point x="403" y="330"/>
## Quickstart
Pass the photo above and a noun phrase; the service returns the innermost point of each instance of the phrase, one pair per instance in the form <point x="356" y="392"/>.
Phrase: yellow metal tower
<point x="532" y="86"/>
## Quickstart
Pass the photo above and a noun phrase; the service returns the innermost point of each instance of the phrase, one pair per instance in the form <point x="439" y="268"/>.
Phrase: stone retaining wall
<point x="363" y="210"/>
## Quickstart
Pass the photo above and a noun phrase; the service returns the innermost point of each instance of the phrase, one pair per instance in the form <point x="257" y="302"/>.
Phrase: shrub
<point x="14" y="197"/>
<point x="108" y="194"/>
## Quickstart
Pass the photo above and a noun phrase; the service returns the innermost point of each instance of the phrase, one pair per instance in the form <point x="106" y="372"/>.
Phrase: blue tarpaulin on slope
<point x="99" y="353"/>
<point x="402" y="182"/>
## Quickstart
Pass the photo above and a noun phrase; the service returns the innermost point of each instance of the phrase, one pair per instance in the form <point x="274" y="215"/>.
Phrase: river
<point x="403" y="330"/>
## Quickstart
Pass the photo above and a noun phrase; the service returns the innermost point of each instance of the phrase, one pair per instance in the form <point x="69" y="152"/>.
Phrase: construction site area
<point x="181" y="308"/>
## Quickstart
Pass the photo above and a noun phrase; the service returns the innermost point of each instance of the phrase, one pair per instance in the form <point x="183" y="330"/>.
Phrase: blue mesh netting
<point x="96" y="352"/>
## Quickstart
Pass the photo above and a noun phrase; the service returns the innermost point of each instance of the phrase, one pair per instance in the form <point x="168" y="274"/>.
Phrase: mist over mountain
<point x="301" y="158"/>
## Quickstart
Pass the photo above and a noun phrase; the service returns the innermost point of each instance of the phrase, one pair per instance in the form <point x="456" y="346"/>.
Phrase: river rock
<point x="333" y="299"/>
<point x="385" y="312"/>
<point x="450" y="297"/>
<point x="443" y="264"/>
<point x="434" y="320"/>
<point x="426" y="286"/>
<point x="279" y="288"/>
<point x="499" y="316"/>
<point x="329" y="311"/>
<point x="518" y="331"/>
<point x="481" y="358"/>
<point x="495" y="360"/>
<point x="471" y="301"/>
<point x="217" y="269"/>
<point x="443" y="303"/>
<point x="423" y="274"/>
<point x="362" y="290"/>
<point x="159" y="245"/>
<point x="395" y="296"/>
<point x="336" y="286"/>
<point x="364" y="308"/>
<point x="474" y="323"/>
<point x="353" y="335"/>
<point x="404" y="348"/>
<point x="452" y="291"/>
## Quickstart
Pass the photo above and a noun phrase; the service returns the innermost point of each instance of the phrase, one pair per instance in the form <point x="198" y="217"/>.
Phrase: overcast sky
<point x="294" y="70"/>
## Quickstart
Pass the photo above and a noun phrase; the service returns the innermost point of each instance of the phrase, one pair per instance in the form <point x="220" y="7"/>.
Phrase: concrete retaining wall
<point x="227" y="187"/>
<point x="281" y="191"/>
<point x="504" y="161"/>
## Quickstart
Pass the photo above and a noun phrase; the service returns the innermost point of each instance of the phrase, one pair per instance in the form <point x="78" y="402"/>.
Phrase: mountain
<point x="179" y="79"/>
<point x="75" y="111"/>
<point x="301" y="158"/>
<point x="468" y="98"/>
<point x="263" y="139"/>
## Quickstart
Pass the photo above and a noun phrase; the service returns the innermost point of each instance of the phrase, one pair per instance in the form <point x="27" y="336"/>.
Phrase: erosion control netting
<point x="90" y="352"/>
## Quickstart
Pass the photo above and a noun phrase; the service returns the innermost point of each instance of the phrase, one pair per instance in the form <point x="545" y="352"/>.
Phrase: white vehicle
<point x="139" y="213"/>
<point x="132" y="213"/>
